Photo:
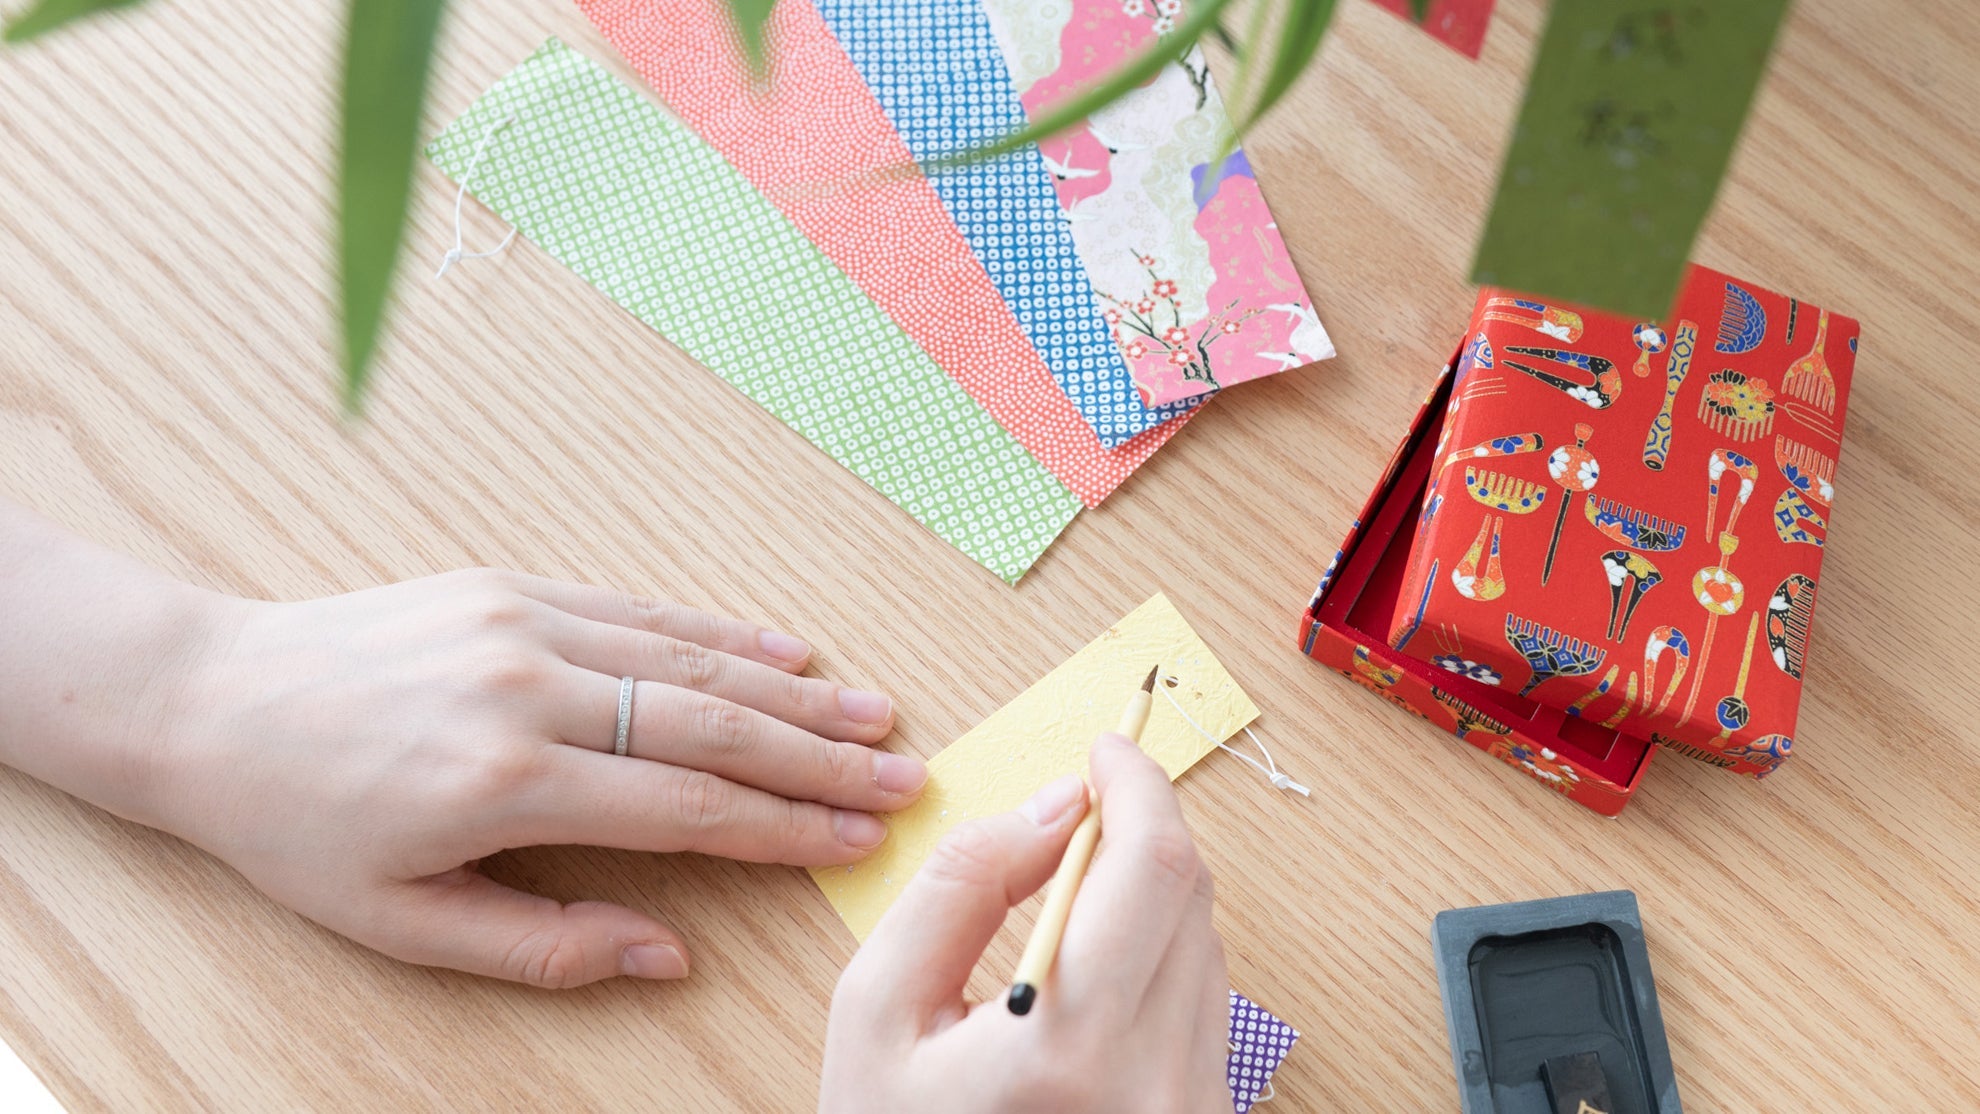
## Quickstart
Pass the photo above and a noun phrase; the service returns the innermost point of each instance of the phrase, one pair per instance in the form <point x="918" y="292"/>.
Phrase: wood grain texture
<point x="167" y="387"/>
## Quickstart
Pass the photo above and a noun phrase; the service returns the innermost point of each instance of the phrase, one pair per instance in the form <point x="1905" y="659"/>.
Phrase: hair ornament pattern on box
<point x="1720" y="593"/>
<point x="1650" y="340"/>
<point x="1794" y="313"/>
<point x="1767" y="752"/>
<point x="1563" y="325"/>
<point x="1476" y="357"/>
<point x="1471" y="719"/>
<point x="1622" y="710"/>
<point x="1657" y="443"/>
<point x="1422" y="605"/>
<point x="1268" y="767"/>
<point x="1789" y="612"/>
<point x="1372" y="674"/>
<point x="1541" y="763"/>
<point x="1796" y="522"/>
<point x="1630" y="575"/>
<point x="1809" y="377"/>
<point x="1502" y="492"/>
<point x="1465" y="577"/>
<point x="1452" y="659"/>
<point x="1742" y="324"/>
<point x="1601" y="689"/>
<point x="1550" y="653"/>
<point x="1661" y="639"/>
<point x="1736" y="405"/>
<point x="1636" y="529"/>
<point x="1733" y="711"/>
<point x="1716" y="466"/>
<point x="1576" y="470"/>
<point x="1604" y="385"/>
<point x="1512" y="444"/>
<point x="1809" y="471"/>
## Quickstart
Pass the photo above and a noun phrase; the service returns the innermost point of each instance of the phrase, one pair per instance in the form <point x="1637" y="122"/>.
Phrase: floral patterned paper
<point x="1197" y="285"/>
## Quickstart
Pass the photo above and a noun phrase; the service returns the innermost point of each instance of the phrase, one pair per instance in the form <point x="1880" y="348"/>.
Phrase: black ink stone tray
<point x="1552" y="1008"/>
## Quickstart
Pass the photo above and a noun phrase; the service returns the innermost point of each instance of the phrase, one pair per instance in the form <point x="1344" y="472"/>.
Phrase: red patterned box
<point x="1520" y="575"/>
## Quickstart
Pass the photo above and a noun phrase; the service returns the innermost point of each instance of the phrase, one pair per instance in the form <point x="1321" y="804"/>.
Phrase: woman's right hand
<point x="1136" y="1015"/>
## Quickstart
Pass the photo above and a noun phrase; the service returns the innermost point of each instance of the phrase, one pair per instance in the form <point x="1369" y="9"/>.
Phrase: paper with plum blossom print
<point x="1198" y="287"/>
<point x="1043" y="734"/>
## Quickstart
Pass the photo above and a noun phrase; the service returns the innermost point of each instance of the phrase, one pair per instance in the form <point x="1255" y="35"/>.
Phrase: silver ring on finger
<point x="624" y="737"/>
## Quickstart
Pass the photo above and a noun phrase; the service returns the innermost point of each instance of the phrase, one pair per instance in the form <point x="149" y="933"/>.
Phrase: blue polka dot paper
<point x="936" y="68"/>
<point x="1259" y="1044"/>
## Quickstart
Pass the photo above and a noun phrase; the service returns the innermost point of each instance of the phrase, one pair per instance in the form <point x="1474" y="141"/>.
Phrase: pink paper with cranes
<point x="819" y="147"/>
<point x="1184" y="254"/>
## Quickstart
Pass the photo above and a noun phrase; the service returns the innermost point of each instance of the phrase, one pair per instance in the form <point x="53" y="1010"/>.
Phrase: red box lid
<point x="1587" y="536"/>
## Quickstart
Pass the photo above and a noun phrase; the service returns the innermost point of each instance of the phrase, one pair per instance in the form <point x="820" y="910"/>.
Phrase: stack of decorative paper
<point x="992" y="344"/>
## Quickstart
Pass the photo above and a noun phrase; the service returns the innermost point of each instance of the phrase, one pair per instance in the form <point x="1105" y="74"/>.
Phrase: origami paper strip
<point x="632" y="201"/>
<point x="1045" y="733"/>
<point x="1458" y="24"/>
<point x="1630" y="118"/>
<point x="935" y="68"/>
<point x="1259" y="1044"/>
<point x="819" y="147"/>
<point x="1182" y="250"/>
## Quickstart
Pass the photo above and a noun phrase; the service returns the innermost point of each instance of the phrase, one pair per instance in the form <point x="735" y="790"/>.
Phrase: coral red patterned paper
<point x="1626" y="518"/>
<point x="1458" y="24"/>
<point x="820" y="148"/>
<point x="1182" y="250"/>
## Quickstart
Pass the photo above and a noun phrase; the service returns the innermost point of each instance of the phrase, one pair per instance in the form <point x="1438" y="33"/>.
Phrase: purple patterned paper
<point x="1259" y="1044"/>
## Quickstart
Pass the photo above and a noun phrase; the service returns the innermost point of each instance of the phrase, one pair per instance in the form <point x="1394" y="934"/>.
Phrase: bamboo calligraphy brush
<point x="1043" y="947"/>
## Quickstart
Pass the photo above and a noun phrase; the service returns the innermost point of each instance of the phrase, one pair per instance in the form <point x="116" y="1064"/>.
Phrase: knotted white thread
<point x="1268" y="767"/>
<point x="456" y="253"/>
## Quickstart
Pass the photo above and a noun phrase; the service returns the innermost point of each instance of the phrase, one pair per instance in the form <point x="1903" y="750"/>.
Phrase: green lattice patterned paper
<point x="642" y="209"/>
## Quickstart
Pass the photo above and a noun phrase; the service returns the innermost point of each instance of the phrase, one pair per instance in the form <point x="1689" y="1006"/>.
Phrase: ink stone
<point x="1552" y="1008"/>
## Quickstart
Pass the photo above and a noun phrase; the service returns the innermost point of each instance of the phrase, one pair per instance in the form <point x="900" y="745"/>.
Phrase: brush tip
<point x="1149" y="684"/>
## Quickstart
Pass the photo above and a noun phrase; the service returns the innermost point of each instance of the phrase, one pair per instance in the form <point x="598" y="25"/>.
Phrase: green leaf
<point x="1419" y="10"/>
<point x="47" y="15"/>
<point x="1254" y="42"/>
<point x="1113" y="87"/>
<point x="751" y="16"/>
<point x="1630" y="119"/>
<point x="1299" y="40"/>
<point x="387" y="48"/>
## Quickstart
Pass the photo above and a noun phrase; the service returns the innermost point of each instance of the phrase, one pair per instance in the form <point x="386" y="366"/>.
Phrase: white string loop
<point x="1270" y="768"/>
<point x="456" y="253"/>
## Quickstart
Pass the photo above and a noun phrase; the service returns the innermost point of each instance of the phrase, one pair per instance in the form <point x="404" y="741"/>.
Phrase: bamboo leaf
<point x="1254" y="41"/>
<point x="751" y="16"/>
<point x="388" y="45"/>
<point x="1113" y="87"/>
<point x="48" y="15"/>
<point x="1299" y="41"/>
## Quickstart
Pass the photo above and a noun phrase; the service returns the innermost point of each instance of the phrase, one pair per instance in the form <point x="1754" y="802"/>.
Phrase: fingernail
<point x="897" y="773"/>
<point x="652" y="961"/>
<point x="857" y="829"/>
<point x="1050" y="804"/>
<point x="865" y="707"/>
<point x="782" y="646"/>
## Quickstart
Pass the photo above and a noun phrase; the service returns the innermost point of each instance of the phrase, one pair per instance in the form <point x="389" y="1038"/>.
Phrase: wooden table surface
<point x="168" y="388"/>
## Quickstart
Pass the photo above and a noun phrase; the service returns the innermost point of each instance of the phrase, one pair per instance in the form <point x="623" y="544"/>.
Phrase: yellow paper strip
<point x="1046" y="733"/>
